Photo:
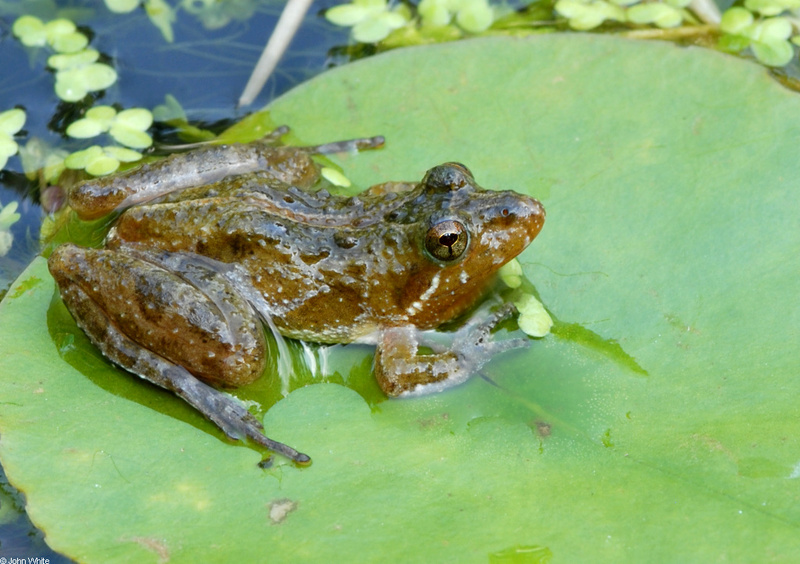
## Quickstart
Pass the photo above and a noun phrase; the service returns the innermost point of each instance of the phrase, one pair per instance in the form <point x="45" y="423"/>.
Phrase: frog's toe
<point x="236" y="422"/>
<point x="492" y="348"/>
<point x="478" y="330"/>
<point x="223" y="410"/>
<point x="475" y="345"/>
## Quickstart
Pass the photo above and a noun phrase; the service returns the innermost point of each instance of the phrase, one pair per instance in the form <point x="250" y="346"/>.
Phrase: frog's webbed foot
<point x="474" y="338"/>
<point x="400" y="370"/>
<point x="221" y="409"/>
<point x="226" y="412"/>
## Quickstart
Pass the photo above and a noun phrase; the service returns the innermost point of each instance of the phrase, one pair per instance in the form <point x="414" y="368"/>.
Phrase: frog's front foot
<point x="401" y="371"/>
<point x="473" y="342"/>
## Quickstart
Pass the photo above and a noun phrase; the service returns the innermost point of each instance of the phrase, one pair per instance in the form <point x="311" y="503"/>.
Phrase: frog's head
<point x="467" y="234"/>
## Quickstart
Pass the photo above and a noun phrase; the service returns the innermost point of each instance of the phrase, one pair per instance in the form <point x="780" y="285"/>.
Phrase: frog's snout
<point x="532" y="213"/>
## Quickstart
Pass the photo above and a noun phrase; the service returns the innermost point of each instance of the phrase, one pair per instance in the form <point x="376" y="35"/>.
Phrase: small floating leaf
<point x="30" y="31"/>
<point x="511" y="274"/>
<point x="659" y="14"/>
<point x="735" y="20"/>
<point x="11" y="121"/>
<point x="122" y="6"/>
<point x="335" y="177"/>
<point x="533" y="318"/>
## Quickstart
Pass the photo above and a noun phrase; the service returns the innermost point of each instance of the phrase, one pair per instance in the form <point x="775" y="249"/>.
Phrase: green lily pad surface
<point x="658" y="422"/>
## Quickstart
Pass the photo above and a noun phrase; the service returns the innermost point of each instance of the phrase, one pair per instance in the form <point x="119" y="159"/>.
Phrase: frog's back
<point x="316" y="258"/>
<point x="335" y="269"/>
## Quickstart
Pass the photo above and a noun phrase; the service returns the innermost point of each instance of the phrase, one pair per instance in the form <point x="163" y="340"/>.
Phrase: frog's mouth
<point x="510" y="225"/>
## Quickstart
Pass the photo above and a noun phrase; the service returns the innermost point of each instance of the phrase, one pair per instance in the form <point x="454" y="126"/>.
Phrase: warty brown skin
<point x="179" y="288"/>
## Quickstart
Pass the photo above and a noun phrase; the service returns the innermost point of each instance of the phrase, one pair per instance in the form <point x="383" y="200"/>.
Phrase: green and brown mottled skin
<point x="201" y="257"/>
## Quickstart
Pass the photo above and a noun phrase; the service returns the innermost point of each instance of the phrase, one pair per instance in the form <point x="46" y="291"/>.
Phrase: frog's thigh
<point x="210" y="331"/>
<point x="401" y="371"/>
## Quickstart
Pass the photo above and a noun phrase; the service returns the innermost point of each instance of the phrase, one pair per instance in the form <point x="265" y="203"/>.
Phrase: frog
<point x="213" y="245"/>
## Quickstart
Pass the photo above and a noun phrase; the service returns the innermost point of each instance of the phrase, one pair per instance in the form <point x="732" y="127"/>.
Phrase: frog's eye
<point x="463" y="168"/>
<point x="449" y="176"/>
<point x="447" y="240"/>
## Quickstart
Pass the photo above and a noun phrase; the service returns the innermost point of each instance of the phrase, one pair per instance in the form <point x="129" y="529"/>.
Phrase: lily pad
<point x="657" y="422"/>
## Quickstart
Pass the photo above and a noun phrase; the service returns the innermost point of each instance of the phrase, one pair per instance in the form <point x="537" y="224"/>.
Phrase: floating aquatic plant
<point x="533" y="318"/>
<point x="11" y="121"/>
<point x="101" y="161"/>
<point x="371" y="20"/>
<point x="41" y="160"/>
<point x="670" y="13"/>
<point x="8" y="217"/>
<point x="768" y="38"/>
<point x="126" y="127"/>
<point x="511" y="273"/>
<point x="76" y="66"/>
<point x="79" y="73"/>
<point x="61" y="34"/>
<point x="122" y="6"/>
<point x="473" y="16"/>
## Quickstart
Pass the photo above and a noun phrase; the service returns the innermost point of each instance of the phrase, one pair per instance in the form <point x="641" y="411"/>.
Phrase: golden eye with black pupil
<point x="447" y="240"/>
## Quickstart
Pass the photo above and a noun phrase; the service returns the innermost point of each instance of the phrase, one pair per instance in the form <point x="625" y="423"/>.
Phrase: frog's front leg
<point x="169" y="328"/>
<point x="401" y="371"/>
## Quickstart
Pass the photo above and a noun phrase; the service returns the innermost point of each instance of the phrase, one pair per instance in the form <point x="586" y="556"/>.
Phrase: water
<point x="204" y="69"/>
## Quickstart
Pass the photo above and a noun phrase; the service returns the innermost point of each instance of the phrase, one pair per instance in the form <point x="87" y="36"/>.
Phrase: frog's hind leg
<point x="165" y="329"/>
<point x="221" y="409"/>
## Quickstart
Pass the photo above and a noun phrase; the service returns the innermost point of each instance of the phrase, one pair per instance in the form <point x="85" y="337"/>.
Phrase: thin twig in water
<point x="706" y="10"/>
<point x="284" y="32"/>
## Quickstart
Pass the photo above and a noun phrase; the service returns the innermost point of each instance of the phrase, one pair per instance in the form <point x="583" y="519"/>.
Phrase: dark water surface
<point x="204" y="69"/>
